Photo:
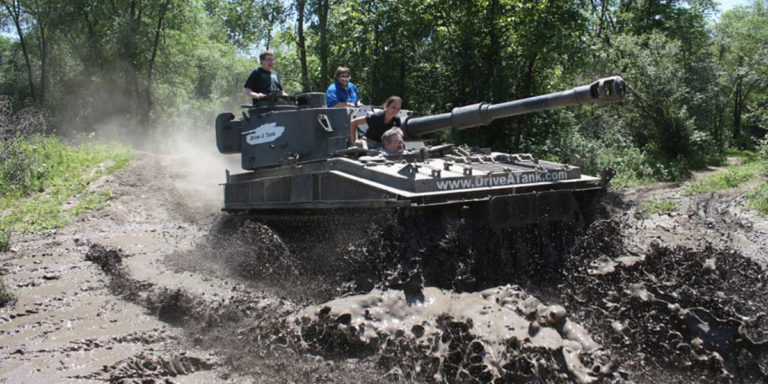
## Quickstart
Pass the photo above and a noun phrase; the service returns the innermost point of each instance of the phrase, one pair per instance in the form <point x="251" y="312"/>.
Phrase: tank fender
<point x="228" y="133"/>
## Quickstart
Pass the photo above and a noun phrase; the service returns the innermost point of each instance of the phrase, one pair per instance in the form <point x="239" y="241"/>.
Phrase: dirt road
<point x="159" y="287"/>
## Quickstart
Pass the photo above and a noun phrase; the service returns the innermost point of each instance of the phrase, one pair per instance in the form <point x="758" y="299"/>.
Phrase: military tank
<point x="300" y="168"/>
<point x="297" y="156"/>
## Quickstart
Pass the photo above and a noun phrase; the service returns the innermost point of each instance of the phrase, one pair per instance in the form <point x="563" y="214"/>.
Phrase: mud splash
<point x="318" y="258"/>
<point x="689" y="313"/>
<point x="497" y="335"/>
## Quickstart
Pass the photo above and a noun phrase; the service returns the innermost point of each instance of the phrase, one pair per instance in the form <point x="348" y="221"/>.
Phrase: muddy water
<point x="153" y="289"/>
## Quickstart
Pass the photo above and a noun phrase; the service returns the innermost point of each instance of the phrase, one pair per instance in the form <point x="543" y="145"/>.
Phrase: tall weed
<point x="6" y="296"/>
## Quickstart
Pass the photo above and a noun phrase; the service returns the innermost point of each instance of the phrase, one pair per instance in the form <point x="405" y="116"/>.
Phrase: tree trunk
<point x="323" y="24"/>
<point x="737" y="102"/>
<point x="148" y="102"/>
<point x="14" y="9"/>
<point x="300" y="5"/>
<point x="41" y="20"/>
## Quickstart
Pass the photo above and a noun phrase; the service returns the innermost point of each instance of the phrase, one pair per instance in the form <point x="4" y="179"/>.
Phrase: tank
<point x="297" y="157"/>
<point x="447" y="214"/>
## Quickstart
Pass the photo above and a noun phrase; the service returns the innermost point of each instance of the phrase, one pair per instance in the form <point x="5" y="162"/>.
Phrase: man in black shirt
<point x="264" y="81"/>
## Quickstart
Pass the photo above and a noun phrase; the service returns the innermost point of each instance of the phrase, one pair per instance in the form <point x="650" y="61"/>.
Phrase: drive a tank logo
<point x="495" y="181"/>
<point x="264" y="133"/>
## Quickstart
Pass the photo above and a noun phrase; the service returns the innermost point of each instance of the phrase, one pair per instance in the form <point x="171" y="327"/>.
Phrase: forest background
<point x="697" y="79"/>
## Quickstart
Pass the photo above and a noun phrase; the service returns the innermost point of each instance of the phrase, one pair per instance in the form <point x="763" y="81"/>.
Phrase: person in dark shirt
<point x="264" y="81"/>
<point x="378" y="122"/>
<point x="342" y="93"/>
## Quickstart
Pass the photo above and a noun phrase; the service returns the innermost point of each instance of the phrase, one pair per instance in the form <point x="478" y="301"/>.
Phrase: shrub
<point x="757" y="199"/>
<point x="762" y="154"/>
<point x="5" y="295"/>
<point x="5" y="239"/>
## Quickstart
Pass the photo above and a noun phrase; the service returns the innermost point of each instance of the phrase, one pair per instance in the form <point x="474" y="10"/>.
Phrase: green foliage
<point x="731" y="178"/>
<point x="742" y="52"/>
<point x="758" y="199"/>
<point x="696" y="86"/>
<point x="762" y="154"/>
<point x="5" y="239"/>
<point x="6" y="296"/>
<point x="647" y="208"/>
<point x="60" y="192"/>
<point x="21" y="172"/>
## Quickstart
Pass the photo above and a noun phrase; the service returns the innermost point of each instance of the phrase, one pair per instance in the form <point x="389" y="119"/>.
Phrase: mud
<point x="158" y="287"/>
<point x="691" y="313"/>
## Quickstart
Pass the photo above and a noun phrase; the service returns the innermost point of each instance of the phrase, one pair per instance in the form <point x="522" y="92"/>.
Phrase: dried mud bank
<point x="65" y="326"/>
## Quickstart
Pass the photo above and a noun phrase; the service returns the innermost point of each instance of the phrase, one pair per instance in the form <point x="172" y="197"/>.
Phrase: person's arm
<point x="254" y="95"/>
<point x="330" y="97"/>
<point x="353" y="128"/>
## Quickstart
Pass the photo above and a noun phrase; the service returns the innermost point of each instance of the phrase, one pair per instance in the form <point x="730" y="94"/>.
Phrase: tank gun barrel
<point x="606" y="90"/>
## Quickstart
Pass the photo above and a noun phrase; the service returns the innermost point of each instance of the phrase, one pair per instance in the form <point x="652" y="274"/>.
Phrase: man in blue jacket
<point x="342" y="93"/>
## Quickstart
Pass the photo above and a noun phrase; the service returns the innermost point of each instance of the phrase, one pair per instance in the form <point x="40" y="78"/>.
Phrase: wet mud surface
<point x="160" y="287"/>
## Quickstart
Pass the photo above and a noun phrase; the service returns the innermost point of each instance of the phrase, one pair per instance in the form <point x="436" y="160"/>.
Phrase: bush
<point x="762" y="154"/>
<point x="20" y="172"/>
<point x="757" y="199"/>
<point x="5" y="239"/>
<point x="37" y="200"/>
<point x="43" y="181"/>
<point x="5" y="295"/>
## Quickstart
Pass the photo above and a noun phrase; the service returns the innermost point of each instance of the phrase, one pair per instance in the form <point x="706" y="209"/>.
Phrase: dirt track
<point x="161" y="287"/>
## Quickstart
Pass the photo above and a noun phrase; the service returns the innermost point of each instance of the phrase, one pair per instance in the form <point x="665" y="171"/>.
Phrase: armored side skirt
<point x="504" y="207"/>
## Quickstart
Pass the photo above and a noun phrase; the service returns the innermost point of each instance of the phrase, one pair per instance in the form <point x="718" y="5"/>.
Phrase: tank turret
<point x="284" y="130"/>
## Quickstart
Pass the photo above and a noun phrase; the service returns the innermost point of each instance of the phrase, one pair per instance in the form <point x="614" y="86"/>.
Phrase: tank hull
<point x="510" y="190"/>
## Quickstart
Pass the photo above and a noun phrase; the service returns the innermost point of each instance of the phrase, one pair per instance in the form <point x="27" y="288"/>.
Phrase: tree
<point x="14" y="9"/>
<point x="743" y="53"/>
<point x="301" y="43"/>
<point x="249" y="22"/>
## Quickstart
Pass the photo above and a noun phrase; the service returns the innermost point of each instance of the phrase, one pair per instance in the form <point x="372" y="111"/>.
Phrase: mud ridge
<point x="150" y="368"/>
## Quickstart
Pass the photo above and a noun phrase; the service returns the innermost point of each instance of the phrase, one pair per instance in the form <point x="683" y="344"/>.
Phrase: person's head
<point x="342" y="75"/>
<point x="392" y="106"/>
<point x="267" y="59"/>
<point x="392" y="140"/>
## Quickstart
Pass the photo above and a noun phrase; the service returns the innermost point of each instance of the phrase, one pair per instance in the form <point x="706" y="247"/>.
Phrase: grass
<point x="757" y="199"/>
<point x="732" y="177"/>
<point x="649" y="207"/>
<point x="44" y="182"/>
<point x="753" y="164"/>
